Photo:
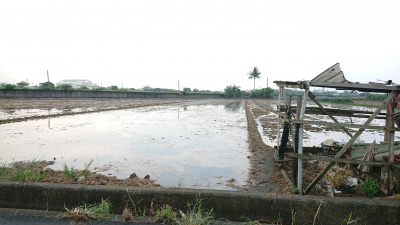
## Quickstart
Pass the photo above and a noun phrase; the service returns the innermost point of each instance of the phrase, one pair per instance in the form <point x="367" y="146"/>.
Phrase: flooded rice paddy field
<point x="179" y="143"/>
<point x="193" y="144"/>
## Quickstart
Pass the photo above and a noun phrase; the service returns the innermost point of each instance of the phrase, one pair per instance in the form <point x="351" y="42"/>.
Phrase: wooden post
<point x="300" y="147"/>
<point x="279" y="122"/>
<point x="391" y="143"/>
<point x="348" y="144"/>
<point x="388" y="123"/>
<point x="296" y="140"/>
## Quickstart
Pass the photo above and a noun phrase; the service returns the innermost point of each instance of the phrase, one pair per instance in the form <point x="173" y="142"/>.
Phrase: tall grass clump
<point x="165" y="214"/>
<point x="31" y="171"/>
<point x="87" y="212"/>
<point x="71" y="172"/>
<point x="195" y="215"/>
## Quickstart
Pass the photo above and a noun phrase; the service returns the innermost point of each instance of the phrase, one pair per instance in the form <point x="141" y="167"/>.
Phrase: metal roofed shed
<point x="77" y="83"/>
<point x="333" y="77"/>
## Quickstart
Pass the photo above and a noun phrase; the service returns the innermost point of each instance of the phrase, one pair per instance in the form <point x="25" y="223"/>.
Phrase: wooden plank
<point x="281" y="115"/>
<point x="338" y="112"/>
<point x="359" y="87"/>
<point x="348" y="144"/>
<point x="300" y="147"/>
<point x="306" y="149"/>
<point x="330" y="124"/>
<point x="334" y="110"/>
<point x="328" y="113"/>
<point x="340" y="160"/>
<point x="279" y="123"/>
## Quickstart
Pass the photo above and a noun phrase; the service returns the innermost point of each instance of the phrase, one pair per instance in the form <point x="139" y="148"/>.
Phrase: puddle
<point x="190" y="146"/>
<point x="21" y="113"/>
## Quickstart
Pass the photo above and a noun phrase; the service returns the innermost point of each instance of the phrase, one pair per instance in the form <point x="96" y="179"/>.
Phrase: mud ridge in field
<point x="261" y="159"/>
<point x="86" y="105"/>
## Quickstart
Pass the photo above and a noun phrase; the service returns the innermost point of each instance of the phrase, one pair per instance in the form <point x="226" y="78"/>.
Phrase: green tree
<point x="262" y="93"/>
<point x="114" y="87"/>
<point x="253" y="74"/>
<point x="233" y="91"/>
<point x="47" y="85"/>
<point x="186" y="91"/>
<point x="83" y="88"/>
<point x="65" y="87"/>
<point x="8" y="86"/>
<point x="22" y="84"/>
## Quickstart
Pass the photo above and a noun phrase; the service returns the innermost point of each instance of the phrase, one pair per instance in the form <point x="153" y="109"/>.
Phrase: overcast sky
<point x="205" y="44"/>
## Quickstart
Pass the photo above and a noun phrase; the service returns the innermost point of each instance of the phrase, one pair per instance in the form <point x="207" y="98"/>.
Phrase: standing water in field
<point x="191" y="146"/>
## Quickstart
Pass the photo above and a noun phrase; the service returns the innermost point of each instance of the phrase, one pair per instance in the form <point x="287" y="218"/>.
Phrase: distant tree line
<point x="234" y="91"/>
<point x="375" y="97"/>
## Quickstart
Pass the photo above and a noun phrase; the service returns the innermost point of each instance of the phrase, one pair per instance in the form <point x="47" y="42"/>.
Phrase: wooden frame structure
<point x="391" y="90"/>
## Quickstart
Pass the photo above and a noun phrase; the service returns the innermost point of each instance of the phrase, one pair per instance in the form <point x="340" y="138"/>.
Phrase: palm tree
<point x="253" y="74"/>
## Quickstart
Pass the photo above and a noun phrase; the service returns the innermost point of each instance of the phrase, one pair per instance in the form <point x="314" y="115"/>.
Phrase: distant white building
<point x="77" y="83"/>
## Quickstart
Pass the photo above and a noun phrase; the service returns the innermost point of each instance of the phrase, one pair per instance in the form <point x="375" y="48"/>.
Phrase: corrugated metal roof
<point x="333" y="74"/>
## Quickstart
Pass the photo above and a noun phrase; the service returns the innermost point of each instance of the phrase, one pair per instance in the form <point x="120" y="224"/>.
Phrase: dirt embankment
<point x="261" y="159"/>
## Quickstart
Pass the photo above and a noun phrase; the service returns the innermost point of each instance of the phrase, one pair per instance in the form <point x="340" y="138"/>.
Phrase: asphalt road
<point x="36" y="220"/>
<point x="36" y="217"/>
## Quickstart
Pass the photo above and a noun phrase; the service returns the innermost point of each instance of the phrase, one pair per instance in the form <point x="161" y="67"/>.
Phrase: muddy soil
<point x="65" y="106"/>
<point x="261" y="159"/>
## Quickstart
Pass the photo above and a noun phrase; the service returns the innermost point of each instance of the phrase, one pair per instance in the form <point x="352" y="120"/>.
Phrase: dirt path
<point x="262" y="159"/>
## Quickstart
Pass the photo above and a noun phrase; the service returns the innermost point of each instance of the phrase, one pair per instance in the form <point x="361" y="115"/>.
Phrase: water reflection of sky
<point x="198" y="146"/>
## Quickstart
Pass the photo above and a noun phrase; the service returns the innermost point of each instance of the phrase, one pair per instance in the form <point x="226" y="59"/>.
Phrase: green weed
<point x="69" y="171"/>
<point x="251" y="222"/>
<point x="369" y="187"/>
<point x="294" y="190"/>
<point x="134" y="209"/>
<point x="195" y="215"/>
<point x="165" y="214"/>
<point x="31" y="171"/>
<point x="87" y="212"/>
<point x="86" y="171"/>
<point x="4" y="170"/>
<point x="349" y="221"/>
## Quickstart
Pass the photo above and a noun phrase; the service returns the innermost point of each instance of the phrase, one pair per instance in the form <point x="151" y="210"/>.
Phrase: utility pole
<point x="179" y="89"/>
<point x="267" y="82"/>
<point x="48" y="80"/>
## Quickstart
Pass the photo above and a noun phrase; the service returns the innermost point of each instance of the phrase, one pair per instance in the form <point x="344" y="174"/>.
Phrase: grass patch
<point x="195" y="215"/>
<point x="87" y="212"/>
<point x="3" y="171"/>
<point x="71" y="172"/>
<point x="23" y="171"/>
<point x="165" y="214"/>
